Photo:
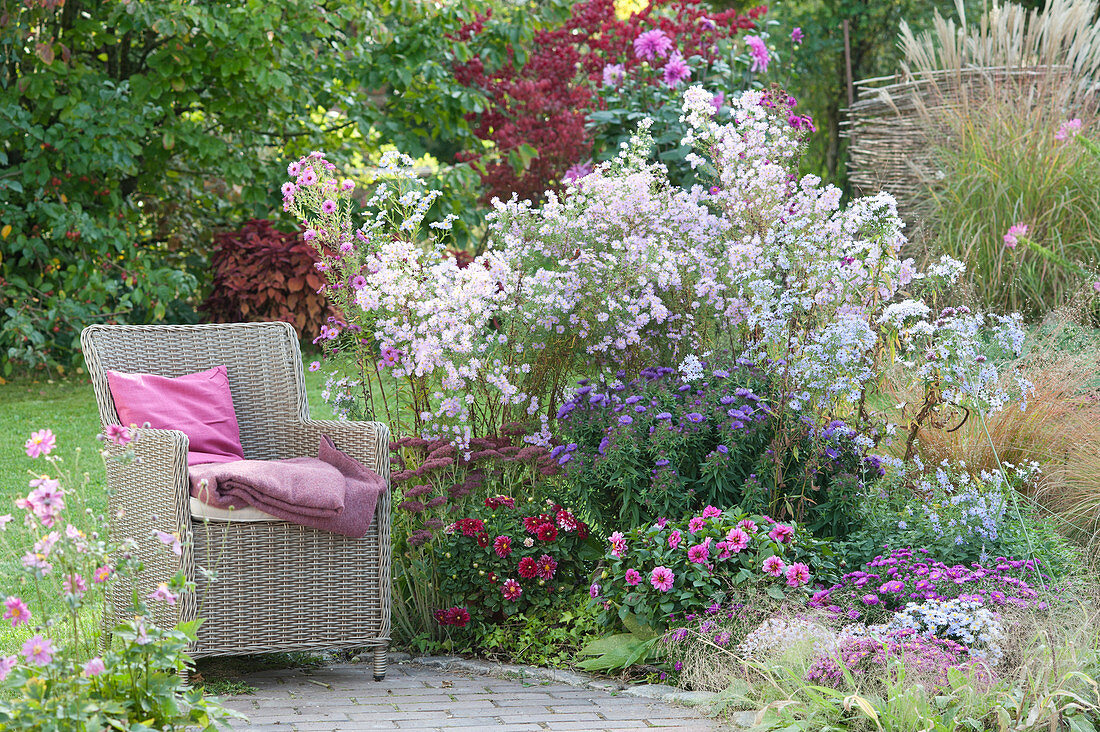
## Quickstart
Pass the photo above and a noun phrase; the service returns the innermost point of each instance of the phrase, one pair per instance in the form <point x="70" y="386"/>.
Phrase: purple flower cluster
<point x="889" y="582"/>
<point x="864" y="656"/>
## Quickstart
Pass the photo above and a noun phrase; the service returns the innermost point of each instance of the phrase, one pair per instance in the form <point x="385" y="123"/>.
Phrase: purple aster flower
<point x="577" y="171"/>
<point x="663" y="415"/>
<point x="328" y="206"/>
<point x="626" y="419"/>
<point x="651" y="45"/>
<point x="694" y="417"/>
<point x="676" y="71"/>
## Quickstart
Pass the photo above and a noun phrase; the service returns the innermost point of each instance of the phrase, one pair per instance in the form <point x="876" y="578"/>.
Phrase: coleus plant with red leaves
<point x="538" y="113"/>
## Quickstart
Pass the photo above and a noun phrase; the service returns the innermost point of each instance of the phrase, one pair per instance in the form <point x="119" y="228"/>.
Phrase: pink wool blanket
<point x="331" y="492"/>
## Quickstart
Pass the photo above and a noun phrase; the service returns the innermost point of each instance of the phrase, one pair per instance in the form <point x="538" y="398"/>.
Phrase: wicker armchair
<point x="278" y="586"/>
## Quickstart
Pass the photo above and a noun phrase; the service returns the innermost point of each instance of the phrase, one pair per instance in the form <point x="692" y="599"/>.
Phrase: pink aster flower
<point x="328" y="206"/>
<point x="163" y="593"/>
<point x="502" y="545"/>
<point x="697" y="524"/>
<point x="699" y="554"/>
<point x="870" y="599"/>
<point x="798" y="574"/>
<point x="1015" y="231"/>
<point x="674" y="539"/>
<point x="94" y="667"/>
<point x="675" y="71"/>
<point x="662" y="578"/>
<point x="7" y="663"/>
<point x="40" y="443"/>
<point x="758" y="50"/>
<point x="307" y="178"/>
<point x="289" y="189"/>
<point x="294" y="168"/>
<point x="347" y="185"/>
<point x="1068" y="130"/>
<point x="16" y="611"/>
<point x="781" y="533"/>
<point x="737" y="539"/>
<point x="511" y="590"/>
<point x="38" y="650"/>
<point x="633" y="577"/>
<point x="651" y="45"/>
<point x="358" y="282"/>
<point x="774" y="566"/>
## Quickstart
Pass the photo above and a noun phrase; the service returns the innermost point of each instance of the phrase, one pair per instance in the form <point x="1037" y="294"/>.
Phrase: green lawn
<point x="68" y="408"/>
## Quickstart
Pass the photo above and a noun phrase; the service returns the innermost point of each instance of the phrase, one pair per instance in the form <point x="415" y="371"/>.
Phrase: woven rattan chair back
<point x="264" y="363"/>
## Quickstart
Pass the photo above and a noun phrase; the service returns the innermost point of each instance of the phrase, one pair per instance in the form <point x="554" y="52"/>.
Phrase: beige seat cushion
<point x="204" y="512"/>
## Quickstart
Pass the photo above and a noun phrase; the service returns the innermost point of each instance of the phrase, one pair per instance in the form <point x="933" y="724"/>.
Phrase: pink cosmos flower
<point x="798" y="574"/>
<point x="633" y="577"/>
<point x="502" y="545"/>
<point x="676" y="71"/>
<point x="511" y="590"/>
<point x="94" y="667"/>
<point x="16" y="611"/>
<point x="711" y="512"/>
<point x="662" y="578"/>
<point x="674" y="539"/>
<point x="699" y="554"/>
<point x="781" y="533"/>
<point x="315" y="366"/>
<point x="758" y="50"/>
<point x="651" y="45"/>
<point x="797" y="35"/>
<point x="172" y="541"/>
<point x="163" y="593"/>
<point x="328" y="206"/>
<point x="38" y="650"/>
<point x="40" y="443"/>
<point x="737" y="539"/>
<point x="1068" y="130"/>
<point x="748" y="525"/>
<point x="774" y="566"/>
<point x="7" y="663"/>
<point x="697" y="524"/>
<point x="1015" y="231"/>
<point x="74" y="585"/>
<point x="118" y="435"/>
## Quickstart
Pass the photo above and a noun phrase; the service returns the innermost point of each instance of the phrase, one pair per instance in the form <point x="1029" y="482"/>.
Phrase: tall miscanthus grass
<point x="992" y="98"/>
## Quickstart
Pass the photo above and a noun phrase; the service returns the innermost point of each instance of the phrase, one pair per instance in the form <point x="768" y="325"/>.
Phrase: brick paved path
<point x="345" y="697"/>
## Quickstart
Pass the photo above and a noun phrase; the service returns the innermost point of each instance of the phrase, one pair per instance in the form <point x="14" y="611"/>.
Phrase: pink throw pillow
<point x="199" y="405"/>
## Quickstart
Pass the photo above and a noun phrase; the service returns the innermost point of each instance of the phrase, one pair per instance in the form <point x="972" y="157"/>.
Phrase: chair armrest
<point x="367" y="442"/>
<point x="152" y="492"/>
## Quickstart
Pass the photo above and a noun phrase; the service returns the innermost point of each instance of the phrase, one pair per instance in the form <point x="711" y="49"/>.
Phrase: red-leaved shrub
<point x="261" y="273"/>
<point x="544" y="102"/>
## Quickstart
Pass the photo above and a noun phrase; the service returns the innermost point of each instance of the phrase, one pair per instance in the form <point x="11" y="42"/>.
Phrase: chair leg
<point x="381" y="654"/>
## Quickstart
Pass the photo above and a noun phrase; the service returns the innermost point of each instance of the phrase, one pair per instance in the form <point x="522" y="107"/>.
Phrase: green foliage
<point x="619" y="651"/>
<point x="261" y="273"/>
<point x="552" y="637"/>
